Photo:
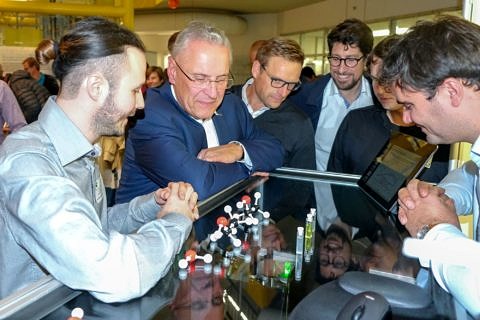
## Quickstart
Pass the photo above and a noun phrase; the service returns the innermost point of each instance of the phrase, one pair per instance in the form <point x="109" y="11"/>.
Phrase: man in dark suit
<point x="275" y="74"/>
<point x="192" y="129"/>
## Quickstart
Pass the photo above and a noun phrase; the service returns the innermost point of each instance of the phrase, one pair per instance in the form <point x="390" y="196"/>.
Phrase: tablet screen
<point x="401" y="159"/>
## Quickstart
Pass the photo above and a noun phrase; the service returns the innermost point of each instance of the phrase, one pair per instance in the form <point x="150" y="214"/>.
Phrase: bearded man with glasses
<point x="328" y="99"/>
<point x="192" y="129"/>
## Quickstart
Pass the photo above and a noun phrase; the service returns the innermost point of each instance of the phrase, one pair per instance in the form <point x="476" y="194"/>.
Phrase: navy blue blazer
<point x="309" y="97"/>
<point x="163" y="147"/>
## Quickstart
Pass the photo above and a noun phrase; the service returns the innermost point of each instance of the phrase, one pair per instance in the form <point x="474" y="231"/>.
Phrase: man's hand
<point x="161" y="195"/>
<point x="414" y="190"/>
<point x="227" y="153"/>
<point x="178" y="197"/>
<point x="431" y="209"/>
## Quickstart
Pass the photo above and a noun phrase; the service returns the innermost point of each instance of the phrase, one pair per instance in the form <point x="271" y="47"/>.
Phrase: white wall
<point x="259" y="26"/>
<point x="328" y="13"/>
<point x="155" y="29"/>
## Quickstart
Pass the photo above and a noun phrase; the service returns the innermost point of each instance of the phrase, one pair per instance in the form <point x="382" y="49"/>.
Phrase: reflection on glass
<point x="200" y="296"/>
<point x="334" y="253"/>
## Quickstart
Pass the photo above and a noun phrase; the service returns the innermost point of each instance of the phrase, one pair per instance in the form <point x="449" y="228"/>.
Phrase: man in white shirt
<point x="328" y="99"/>
<point x="433" y="71"/>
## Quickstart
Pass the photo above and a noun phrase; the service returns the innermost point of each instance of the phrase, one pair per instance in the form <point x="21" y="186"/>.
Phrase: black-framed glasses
<point x="279" y="83"/>
<point x="338" y="262"/>
<point x="349" y="62"/>
<point x="202" y="81"/>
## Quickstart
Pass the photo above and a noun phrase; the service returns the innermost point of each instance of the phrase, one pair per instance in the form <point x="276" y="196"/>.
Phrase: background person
<point x="275" y="74"/>
<point x="328" y="99"/>
<point x="154" y="77"/>
<point x="32" y="66"/>
<point x="11" y="116"/>
<point x="31" y="96"/>
<point x="308" y="74"/>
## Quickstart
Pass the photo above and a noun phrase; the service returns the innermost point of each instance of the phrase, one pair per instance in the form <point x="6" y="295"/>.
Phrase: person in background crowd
<point x="30" y="95"/>
<point x="328" y="99"/>
<point x="170" y="43"/>
<point x="11" y="116"/>
<point x="275" y="74"/>
<point x="252" y="53"/>
<point x="155" y="77"/>
<point x="433" y="71"/>
<point x="308" y="74"/>
<point x="32" y="66"/>
<point x="53" y="214"/>
<point x="345" y="88"/>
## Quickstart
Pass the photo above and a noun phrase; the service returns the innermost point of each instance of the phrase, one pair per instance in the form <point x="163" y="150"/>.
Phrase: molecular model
<point x="244" y="221"/>
<point x="247" y="218"/>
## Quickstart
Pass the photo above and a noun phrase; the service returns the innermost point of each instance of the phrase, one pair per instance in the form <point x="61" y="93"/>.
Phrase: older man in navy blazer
<point x="192" y="131"/>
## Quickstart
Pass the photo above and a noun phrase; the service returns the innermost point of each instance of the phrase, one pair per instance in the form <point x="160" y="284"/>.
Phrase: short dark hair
<point x="171" y="40"/>
<point x="382" y="49"/>
<point x="32" y="62"/>
<point x="280" y="47"/>
<point x="308" y="72"/>
<point x="156" y="69"/>
<point x="432" y="51"/>
<point x="352" y="32"/>
<point x="93" y="43"/>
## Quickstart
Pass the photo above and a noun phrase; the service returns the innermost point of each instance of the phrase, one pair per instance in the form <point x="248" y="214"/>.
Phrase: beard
<point x="106" y="121"/>
<point x="345" y="86"/>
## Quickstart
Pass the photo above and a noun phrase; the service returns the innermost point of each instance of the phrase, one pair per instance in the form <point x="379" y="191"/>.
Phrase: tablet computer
<point x="401" y="159"/>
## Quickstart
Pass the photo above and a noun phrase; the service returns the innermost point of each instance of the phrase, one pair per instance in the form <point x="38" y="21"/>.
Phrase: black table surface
<point x="252" y="285"/>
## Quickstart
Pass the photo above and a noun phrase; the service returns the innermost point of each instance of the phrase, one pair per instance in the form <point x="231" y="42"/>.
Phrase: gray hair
<point x="197" y="30"/>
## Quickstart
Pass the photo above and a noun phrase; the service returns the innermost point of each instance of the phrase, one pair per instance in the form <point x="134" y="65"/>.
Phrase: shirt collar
<point x="475" y="152"/>
<point x="253" y="113"/>
<point x="68" y="141"/>
<point x="332" y="90"/>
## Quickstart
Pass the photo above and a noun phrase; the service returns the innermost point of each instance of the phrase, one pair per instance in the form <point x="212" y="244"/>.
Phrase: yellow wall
<point x="25" y="37"/>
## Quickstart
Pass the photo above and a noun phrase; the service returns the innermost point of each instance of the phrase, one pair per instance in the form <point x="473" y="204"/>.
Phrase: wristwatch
<point x="238" y="144"/>
<point x="422" y="232"/>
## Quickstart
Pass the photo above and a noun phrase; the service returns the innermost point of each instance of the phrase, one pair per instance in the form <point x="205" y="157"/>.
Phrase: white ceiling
<point x="232" y="6"/>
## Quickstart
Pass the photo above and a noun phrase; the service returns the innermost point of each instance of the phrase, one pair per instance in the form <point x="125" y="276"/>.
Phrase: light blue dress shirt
<point x="457" y="270"/>
<point x="54" y="219"/>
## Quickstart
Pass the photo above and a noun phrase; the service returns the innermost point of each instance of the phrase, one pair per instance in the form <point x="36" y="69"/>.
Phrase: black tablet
<point x="401" y="159"/>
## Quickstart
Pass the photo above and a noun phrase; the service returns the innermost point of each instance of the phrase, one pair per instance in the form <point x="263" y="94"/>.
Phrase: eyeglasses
<point x="201" y="304"/>
<point x="279" y="83"/>
<point x="201" y="81"/>
<point x="386" y="88"/>
<point x="338" y="262"/>
<point x="349" y="62"/>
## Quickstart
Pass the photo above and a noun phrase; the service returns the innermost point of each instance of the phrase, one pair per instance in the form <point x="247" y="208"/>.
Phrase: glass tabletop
<point x="271" y="241"/>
